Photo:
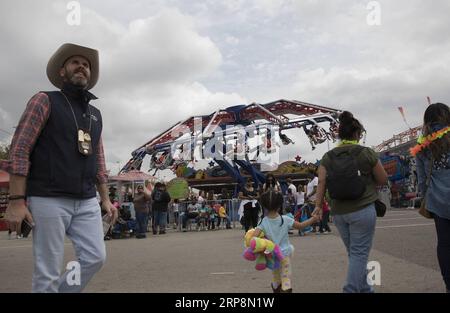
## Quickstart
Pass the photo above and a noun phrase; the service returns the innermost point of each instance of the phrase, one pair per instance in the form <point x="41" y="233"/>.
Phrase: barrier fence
<point x="231" y="206"/>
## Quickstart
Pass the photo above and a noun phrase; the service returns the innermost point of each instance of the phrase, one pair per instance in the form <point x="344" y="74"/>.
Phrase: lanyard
<point x="84" y="138"/>
<point x="73" y="113"/>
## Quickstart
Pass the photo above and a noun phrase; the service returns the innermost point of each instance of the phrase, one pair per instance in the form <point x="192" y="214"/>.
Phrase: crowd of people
<point x="158" y="210"/>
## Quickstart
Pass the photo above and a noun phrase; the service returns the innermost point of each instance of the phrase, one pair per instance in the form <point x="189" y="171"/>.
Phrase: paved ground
<point x="210" y="261"/>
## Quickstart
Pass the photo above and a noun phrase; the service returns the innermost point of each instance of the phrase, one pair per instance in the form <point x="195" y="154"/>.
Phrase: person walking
<point x="276" y="228"/>
<point x="56" y="161"/>
<point x="161" y="199"/>
<point x="351" y="172"/>
<point x="250" y="205"/>
<point x="140" y="202"/>
<point x="432" y="156"/>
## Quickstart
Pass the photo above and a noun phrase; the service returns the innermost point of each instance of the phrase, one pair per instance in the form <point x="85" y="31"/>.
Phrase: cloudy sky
<point x="163" y="61"/>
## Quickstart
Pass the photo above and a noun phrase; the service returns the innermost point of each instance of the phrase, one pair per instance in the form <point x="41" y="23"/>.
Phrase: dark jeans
<point x="176" y="217"/>
<point x="324" y="222"/>
<point x="228" y="223"/>
<point x="159" y="219"/>
<point x="186" y="216"/>
<point x="141" y="222"/>
<point x="443" y="247"/>
<point x="250" y="217"/>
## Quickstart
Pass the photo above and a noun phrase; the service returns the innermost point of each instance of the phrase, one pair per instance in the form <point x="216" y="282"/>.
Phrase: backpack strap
<point x="354" y="152"/>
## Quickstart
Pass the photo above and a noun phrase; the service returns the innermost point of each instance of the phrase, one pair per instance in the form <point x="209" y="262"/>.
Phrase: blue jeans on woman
<point x="141" y="223"/>
<point x="357" y="230"/>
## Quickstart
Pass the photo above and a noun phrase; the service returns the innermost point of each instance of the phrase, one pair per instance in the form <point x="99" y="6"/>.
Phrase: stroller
<point x="301" y="215"/>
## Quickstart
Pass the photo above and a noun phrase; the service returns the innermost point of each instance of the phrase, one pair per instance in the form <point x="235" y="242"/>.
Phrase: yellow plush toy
<point x="262" y="250"/>
<point x="249" y="235"/>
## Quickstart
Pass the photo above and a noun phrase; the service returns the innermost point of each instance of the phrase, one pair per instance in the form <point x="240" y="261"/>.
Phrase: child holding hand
<point x="276" y="228"/>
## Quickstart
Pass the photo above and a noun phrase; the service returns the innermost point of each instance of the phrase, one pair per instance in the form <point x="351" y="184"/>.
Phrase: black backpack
<point x="344" y="178"/>
<point x="157" y="196"/>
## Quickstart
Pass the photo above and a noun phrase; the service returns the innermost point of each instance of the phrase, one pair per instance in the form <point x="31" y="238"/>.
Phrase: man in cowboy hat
<point x="55" y="162"/>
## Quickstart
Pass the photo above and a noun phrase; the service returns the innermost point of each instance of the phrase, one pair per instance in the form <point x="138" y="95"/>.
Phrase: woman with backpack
<point x="350" y="173"/>
<point x="433" y="172"/>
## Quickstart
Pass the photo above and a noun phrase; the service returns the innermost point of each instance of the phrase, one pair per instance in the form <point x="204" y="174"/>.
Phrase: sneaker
<point x="276" y="290"/>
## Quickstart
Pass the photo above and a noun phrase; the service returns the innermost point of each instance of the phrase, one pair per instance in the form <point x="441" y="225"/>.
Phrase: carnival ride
<point x="398" y="140"/>
<point x="399" y="165"/>
<point x="226" y="135"/>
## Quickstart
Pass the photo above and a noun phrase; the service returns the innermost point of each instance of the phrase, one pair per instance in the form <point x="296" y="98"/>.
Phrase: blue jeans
<point x="159" y="219"/>
<point x="357" y="230"/>
<point x="141" y="222"/>
<point x="55" y="218"/>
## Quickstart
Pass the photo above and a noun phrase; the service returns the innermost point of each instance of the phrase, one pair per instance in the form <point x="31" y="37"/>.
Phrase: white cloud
<point x="149" y="69"/>
<point x="231" y="40"/>
<point x="161" y="64"/>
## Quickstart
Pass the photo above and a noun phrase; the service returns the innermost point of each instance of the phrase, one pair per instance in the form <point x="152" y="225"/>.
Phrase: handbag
<point x="380" y="207"/>
<point x="423" y="206"/>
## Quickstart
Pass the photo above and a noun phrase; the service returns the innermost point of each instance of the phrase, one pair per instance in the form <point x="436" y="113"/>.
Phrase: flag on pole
<point x="402" y="112"/>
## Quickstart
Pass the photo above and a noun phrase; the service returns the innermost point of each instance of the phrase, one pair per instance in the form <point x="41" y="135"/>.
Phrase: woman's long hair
<point x="436" y="117"/>
<point x="273" y="183"/>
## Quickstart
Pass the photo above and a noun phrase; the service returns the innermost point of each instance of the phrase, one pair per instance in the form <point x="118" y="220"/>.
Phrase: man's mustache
<point x="80" y="71"/>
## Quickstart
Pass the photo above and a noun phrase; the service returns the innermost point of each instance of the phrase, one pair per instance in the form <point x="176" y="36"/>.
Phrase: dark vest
<point x="57" y="168"/>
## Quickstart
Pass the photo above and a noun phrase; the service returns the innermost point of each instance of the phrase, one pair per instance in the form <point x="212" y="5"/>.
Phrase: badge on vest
<point x="84" y="142"/>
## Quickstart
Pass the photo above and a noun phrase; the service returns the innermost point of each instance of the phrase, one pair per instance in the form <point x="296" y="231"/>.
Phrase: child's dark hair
<point x="349" y="127"/>
<point x="272" y="201"/>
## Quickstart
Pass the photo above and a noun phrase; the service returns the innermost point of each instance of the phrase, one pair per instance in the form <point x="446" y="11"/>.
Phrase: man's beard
<point x="77" y="80"/>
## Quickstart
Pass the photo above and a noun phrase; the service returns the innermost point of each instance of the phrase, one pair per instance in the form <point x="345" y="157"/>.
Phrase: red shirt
<point x="31" y="123"/>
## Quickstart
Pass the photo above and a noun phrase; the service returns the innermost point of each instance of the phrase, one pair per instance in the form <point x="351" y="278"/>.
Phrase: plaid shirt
<point x="31" y="123"/>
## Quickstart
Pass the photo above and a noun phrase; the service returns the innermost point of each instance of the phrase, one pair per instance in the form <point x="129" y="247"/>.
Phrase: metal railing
<point x="231" y="207"/>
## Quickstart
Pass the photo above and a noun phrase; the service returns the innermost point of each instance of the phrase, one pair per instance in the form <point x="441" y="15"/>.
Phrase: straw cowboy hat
<point x="66" y="51"/>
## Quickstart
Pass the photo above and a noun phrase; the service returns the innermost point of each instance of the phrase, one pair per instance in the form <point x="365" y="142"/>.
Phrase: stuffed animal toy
<point x="249" y="235"/>
<point x="266" y="253"/>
